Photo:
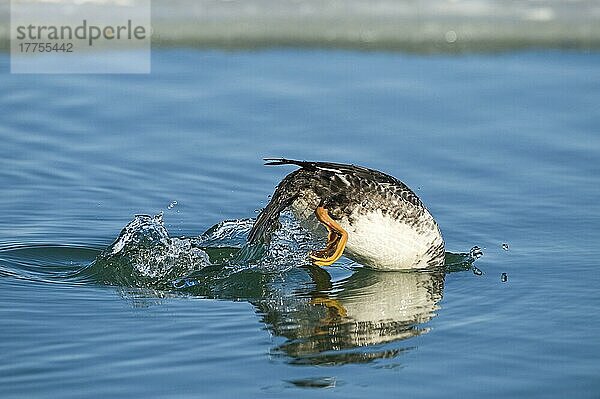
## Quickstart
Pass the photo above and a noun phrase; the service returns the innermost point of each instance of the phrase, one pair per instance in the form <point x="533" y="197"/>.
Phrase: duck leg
<point x="336" y="240"/>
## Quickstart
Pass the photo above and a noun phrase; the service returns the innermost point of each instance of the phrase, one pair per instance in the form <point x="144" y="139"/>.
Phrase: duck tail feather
<point x="286" y="161"/>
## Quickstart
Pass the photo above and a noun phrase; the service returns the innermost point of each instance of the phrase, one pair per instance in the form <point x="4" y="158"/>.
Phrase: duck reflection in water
<point x="348" y="321"/>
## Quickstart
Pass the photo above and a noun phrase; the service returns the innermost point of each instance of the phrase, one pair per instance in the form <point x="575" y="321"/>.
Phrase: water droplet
<point x="505" y="246"/>
<point x="475" y="252"/>
<point x="172" y="205"/>
<point x="451" y="36"/>
<point x="477" y="271"/>
<point x="504" y="277"/>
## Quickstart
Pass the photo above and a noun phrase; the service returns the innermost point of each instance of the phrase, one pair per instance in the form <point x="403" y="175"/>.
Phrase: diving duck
<point x="371" y="217"/>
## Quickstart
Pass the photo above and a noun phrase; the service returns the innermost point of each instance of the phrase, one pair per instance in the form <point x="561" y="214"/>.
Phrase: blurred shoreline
<point x="426" y="26"/>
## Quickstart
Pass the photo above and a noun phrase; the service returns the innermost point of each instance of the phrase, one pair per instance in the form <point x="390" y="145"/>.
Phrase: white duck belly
<point x="382" y="242"/>
<point x="378" y="240"/>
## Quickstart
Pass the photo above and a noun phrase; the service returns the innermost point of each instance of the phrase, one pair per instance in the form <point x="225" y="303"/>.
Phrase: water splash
<point x="228" y="233"/>
<point x="476" y="252"/>
<point x="458" y="262"/>
<point x="289" y="246"/>
<point x="144" y="254"/>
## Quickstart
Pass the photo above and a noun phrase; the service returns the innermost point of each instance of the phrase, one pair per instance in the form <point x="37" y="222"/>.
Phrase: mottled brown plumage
<point x="388" y="226"/>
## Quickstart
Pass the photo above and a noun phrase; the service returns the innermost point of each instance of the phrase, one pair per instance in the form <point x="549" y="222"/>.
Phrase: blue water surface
<point x="503" y="148"/>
